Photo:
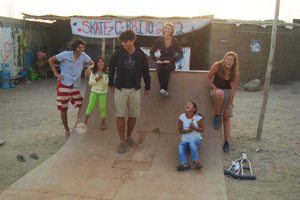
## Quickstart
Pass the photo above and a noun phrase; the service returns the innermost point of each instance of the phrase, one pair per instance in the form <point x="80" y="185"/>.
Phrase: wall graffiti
<point x="6" y="51"/>
<point x="14" y="32"/>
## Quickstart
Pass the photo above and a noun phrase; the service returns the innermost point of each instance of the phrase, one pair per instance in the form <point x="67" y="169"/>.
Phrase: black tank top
<point x="221" y="83"/>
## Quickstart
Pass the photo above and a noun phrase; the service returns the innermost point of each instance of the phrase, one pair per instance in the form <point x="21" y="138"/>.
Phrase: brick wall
<point x="229" y="37"/>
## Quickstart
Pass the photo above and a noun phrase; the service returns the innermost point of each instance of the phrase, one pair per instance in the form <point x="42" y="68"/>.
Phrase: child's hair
<point x="95" y="68"/>
<point x="195" y="106"/>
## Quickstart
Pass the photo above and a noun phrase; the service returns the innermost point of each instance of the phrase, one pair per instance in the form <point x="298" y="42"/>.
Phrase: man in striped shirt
<point x="69" y="80"/>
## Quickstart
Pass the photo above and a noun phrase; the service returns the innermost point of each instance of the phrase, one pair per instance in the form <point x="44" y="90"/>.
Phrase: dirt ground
<point x="30" y="123"/>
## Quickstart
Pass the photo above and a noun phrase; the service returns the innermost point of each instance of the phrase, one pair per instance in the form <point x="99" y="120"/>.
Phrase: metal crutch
<point x="235" y="164"/>
<point x="243" y="160"/>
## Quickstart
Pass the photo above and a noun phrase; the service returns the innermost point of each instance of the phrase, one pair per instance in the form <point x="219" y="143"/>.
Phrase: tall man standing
<point x="69" y="80"/>
<point x="131" y="64"/>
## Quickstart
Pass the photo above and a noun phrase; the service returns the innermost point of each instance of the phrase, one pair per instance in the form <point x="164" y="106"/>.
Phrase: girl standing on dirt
<point x="226" y="78"/>
<point x="191" y="125"/>
<point x="99" y="81"/>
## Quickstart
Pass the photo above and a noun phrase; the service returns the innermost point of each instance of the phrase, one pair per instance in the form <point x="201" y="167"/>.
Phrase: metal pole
<point x="268" y="74"/>
<point x="114" y="44"/>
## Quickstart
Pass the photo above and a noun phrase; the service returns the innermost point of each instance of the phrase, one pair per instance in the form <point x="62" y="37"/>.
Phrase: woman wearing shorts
<point x="225" y="75"/>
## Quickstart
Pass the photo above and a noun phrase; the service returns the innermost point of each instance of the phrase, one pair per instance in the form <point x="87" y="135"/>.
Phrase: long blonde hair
<point x="234" y="69"/>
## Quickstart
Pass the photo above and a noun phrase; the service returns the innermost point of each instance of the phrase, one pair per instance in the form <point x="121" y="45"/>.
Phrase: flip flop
<point x="122" y="148"/>
<point x="20" y="158"/>
<point x="34" y="156"/>
<point x="68" y="133"/>
<point x="131" y="143"/>
<point x="2" y="141"/>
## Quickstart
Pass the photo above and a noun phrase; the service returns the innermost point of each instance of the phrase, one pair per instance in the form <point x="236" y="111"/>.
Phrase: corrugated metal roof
<point x="55" y="17"/>
<point x="236" y="22"/>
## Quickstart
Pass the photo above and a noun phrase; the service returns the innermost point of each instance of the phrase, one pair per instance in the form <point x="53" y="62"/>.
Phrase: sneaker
<point x="162" y="92"/>
<point x="183" y="166"/>
<point x="216" y="122"/>
<point x="166" y="93"/>
<point x="226" y="147"/>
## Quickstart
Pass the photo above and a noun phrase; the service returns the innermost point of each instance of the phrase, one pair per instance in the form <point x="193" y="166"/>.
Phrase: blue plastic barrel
<point x="5" y="79"/>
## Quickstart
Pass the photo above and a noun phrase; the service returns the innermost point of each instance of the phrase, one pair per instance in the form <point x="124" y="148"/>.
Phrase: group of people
<point x="128" y="65"/>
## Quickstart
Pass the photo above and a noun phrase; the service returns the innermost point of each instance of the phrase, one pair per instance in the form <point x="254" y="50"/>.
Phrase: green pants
<point x="92" y="102"/>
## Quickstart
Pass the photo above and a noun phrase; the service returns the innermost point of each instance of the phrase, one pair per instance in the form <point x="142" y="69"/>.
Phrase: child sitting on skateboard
<point x="190" y="124"/>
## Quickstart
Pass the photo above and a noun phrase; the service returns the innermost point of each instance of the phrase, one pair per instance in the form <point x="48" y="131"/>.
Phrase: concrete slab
<point x="89" y="167"/>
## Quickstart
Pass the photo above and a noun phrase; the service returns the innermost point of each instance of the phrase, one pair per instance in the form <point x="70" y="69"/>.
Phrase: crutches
<point x="236" y="167"/>
<point x="243" y="162"/>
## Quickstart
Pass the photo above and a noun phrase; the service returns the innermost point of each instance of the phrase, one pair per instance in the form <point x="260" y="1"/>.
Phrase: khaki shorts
<point x="128" y="102"/>
<point x="225" y="101"/>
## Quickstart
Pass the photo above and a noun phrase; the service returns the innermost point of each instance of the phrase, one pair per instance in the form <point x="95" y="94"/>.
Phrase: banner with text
<point x="145" y="27"/>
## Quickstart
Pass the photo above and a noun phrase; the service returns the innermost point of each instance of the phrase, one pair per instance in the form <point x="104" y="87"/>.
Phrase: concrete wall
<point x="229" y="37"/>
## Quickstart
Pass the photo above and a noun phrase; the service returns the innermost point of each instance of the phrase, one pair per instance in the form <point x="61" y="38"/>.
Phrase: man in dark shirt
<point x="130" y="65"/>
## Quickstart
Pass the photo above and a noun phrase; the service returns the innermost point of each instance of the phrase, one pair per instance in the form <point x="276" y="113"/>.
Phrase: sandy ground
<point x="30" y="123"/>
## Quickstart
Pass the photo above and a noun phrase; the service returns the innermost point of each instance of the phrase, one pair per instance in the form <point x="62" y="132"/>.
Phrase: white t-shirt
<point x="186" y="125"/>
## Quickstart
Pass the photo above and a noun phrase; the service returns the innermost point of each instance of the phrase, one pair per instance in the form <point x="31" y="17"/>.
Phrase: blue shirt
<point x="70" y="69"/>
<point x="129" y="65"/>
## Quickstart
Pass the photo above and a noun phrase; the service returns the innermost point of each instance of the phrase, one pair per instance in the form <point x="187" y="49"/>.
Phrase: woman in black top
<point x="170" y="52"/>
<point x="226" y="78"/>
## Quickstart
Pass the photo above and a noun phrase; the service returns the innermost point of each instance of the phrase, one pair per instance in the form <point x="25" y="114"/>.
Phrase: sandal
<point x="34" y="156"/>
<point x="131" y="143"/>
<point x="198" y="165"/>
<point x="122" y="148"/>
<point x="20" y="158"/>
<point x="68" y="133"/>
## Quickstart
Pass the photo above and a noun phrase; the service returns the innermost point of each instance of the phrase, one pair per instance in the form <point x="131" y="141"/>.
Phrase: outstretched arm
<point x="111" y="71"/>
<point x="51" y="63"/>
<point x="233" y="90"/>
<point x="153" y="50"/>
<point x="146" y="75"/>
<point x="89" y="68"/>
<point x="178" y="52"/>
<point x="210" y="74"/>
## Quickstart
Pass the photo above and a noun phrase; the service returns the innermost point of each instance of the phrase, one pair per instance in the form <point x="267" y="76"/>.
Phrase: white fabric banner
<point x="146" y="27"/>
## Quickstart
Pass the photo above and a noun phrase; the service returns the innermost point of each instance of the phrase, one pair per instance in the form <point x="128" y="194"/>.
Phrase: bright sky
<point x="230" y="9"/>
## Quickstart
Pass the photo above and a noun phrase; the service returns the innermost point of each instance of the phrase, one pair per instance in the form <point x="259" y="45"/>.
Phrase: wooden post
<point x="103" y="47"/>
<point x="114" y="44"/>
<point x="268" y="74"/>
<point x="22" y="44"/>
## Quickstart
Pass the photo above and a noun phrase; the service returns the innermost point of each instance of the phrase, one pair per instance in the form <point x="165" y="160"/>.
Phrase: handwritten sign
<point x="145" y="27"/>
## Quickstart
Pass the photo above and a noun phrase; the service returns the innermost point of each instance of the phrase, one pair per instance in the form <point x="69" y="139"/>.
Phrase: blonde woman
<point x="225" y="75"/>
<point x="170" y="52"/>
